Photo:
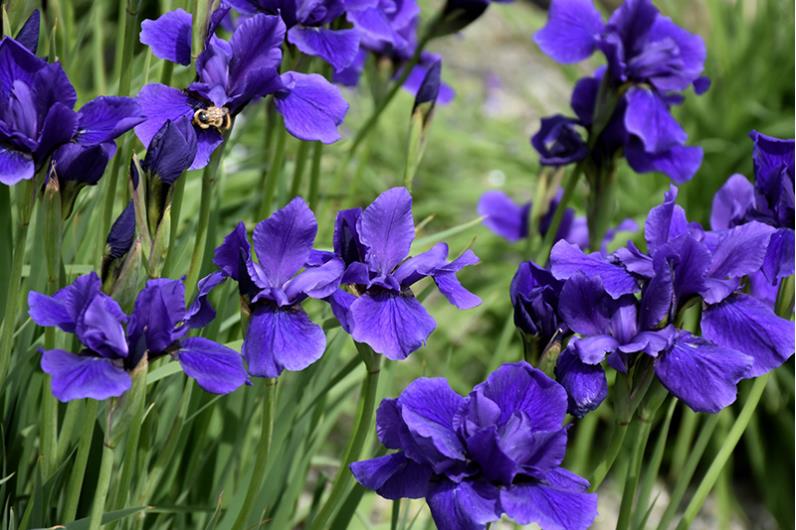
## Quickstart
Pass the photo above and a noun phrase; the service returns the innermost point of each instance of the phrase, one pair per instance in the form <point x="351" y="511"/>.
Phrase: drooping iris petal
<point x="393" y="476"/>
<point x="311" y="107"/>
<point x="560" y="501"/>
<point x="280" y="339"/>
<point x="701" y="374"/>
<point x="215" y="367"/>
<point x="450" y="286"/>
<point x="740" y="250"/>
<point x="392" y="324"/>
<point x="779" y="261"/>
<point x="585" y="384"/>
<point x="60" y="125"/>
<point x="567" y="260"/>
<point x="679" y="162"/>
<point x="339" y="48"/>
<point x="84" y="164"/>
<point x="503" y="216"/>
<point x="169" y="36"/>
<point x="648" y="118"/>
<point x="283" y="242"/>
<point x="387" y="229"/>
<point x="427" y="407"/>
<point x="160" y="103"/>
<point x="462" y="507"/>
<point x="79" y="377"/>
<point x="15" y="166"/>
<point x="571" y="32"/>
<point x="745" y="324"/>
<point x="64" y="307"/>
<point x="104" y="118"/>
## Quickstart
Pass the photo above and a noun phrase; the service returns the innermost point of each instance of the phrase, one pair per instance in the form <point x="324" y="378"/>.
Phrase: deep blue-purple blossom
<point x="230" y="75"/>
<point x="307" y="24"/>
<point x="37" y="116"/>
<point x="558" y="142"/>
<point x="113" y="343"/>
<point x="280" y="334"/>
<point x="374" y="244"/>
<point x="497" y="451"/>
<point x="639" y="43"/>
<point x="535" y="294"/>
<point x="770" y="201"/>
<point x="386" y="27"/>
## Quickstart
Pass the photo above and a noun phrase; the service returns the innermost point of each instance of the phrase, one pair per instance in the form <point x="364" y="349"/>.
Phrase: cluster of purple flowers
<point x="625" y="105"/>
<point x="615" y="307"/>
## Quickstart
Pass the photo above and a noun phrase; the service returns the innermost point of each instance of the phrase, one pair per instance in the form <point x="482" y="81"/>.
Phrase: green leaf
<point x="108" y="517"/>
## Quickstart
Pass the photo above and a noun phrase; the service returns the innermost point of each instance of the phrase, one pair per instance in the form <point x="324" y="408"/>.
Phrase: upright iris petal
<point x="498" y="450"/>
<point x="374" y="245"/>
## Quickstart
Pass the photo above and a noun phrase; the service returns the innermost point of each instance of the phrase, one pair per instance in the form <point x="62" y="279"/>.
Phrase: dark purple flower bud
<point x="28" y="34"/>
<point x="171" y="151"/>
<point x="534" y="294"/>
<point x="77" y="165"/>
<point x="497" y="451"/>
<point x="558" y="142"/>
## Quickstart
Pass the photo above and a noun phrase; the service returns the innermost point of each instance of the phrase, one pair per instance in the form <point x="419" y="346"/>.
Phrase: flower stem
<point x="104" y="479"/>
<point x="555" y="223"/>
<point x="209" y="177"/>
<point x="274" y="172"/>
<point x="367" y="405"/>
<point x="138" y="396"/>
<point x="176" y="210"/>
<point x="79" y="468"/>
<point x="600" y="208"/>
<point x="684" y="478"/>
<point x="298" y="170"/>
<point x="724" y="454"/>
<point x="26" y="198"/>
<point x="315" y="175"/>
<point x="263" y="450"/>
<point x="652" y="468"/>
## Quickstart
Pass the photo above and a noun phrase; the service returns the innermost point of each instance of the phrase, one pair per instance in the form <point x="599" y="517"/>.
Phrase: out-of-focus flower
<point x="374" y="245"/>
<point x="157" y="327"/>
<point x="280" y="334"/>
<point x="230" y="75"/>
<point x="498" y="450"/>
<point x="306" y="22"/>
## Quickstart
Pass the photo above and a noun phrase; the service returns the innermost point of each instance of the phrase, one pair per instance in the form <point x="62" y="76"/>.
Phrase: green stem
<point x="639" y="434"/>
<point x="367" y="404"/>
<point x="682" y="445"/>
<point x="298" y="170"/>
<point x="600" y="208"/>
<point x="26" y="199"/>
<point x="209" y="177"/>
<point x="652" y="468"/>
<point x="555" y="223"/>
<point x="724" y="454"/>
<point x="72" y="415"/>
<point x="49" y="418"/>
<point x="261" y="461"/>
<point x="176" y="210"/>
<point x="274" y="172"/>
<point x="98" y="42"/>
<point x="687" y="471"/>
<point x="315" y="175"/>
<point x="138" y="396"/>
<point x="584" y="441"/>
<point x="104" y="479"/>
<point x="79" y="468"/>
<point x="784" y="305"/>
<point x="396" y="514"/>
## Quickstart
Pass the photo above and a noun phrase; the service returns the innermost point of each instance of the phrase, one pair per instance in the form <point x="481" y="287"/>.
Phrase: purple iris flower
<point x="741" y="336"/>
<point x="535" y="294"/>
<point x="769" y="200"/>
<point x="158" y="326"/>
<point x="702" y="374"/>
<point x="498" y="450"/>
<point x="230" y="75"/>
<point x="640" y="45"/>
<point x="374" y="245"/>
<point x="37" y="118"/>
<point x="641" y="127"/>
<point x="386" y="27"/>
<point x="509" y="220"/>
<point x="305" y="21"/>
<point x="280" y="334"/>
